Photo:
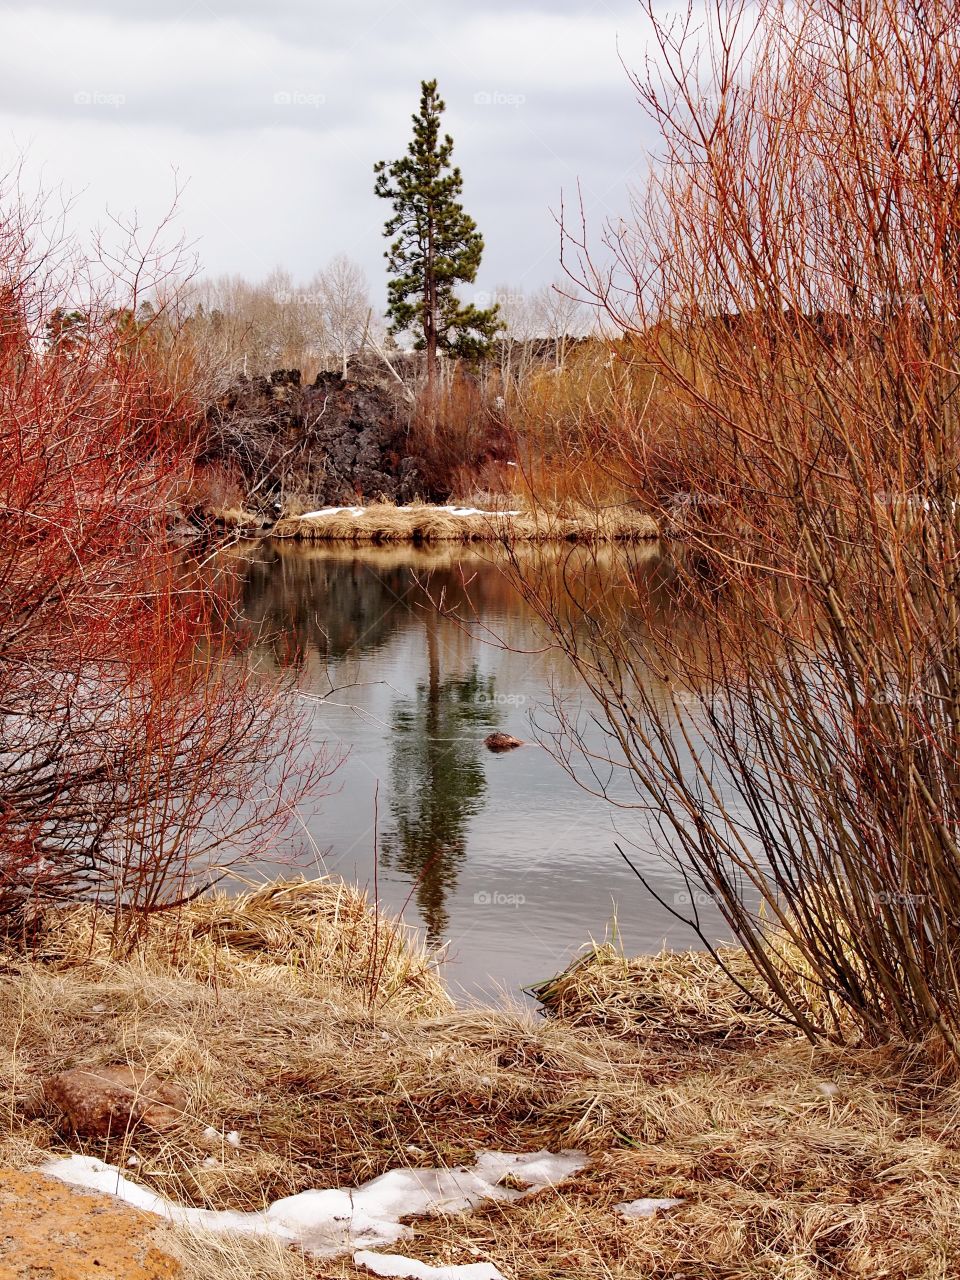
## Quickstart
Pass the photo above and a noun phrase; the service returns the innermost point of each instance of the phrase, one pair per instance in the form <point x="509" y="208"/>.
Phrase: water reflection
<point x="411" y="692"/>
<point x="438" y="782"/>
<point x="340" y="604"/>
<point x="325" y="605"/>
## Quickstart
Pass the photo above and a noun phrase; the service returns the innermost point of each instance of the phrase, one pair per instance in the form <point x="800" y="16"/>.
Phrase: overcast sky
<point x="273" y="112"/>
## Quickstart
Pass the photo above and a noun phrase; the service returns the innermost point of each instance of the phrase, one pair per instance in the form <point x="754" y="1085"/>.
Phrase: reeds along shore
<point x="384" y="523"/>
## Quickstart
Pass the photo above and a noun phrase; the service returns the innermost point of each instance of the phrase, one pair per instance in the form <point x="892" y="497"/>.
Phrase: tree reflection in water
<point x="437" y="780"/>
<point x="339" y="606"/>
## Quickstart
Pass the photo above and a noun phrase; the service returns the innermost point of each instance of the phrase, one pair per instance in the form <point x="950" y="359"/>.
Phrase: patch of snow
<point x="475" y="511"/>
<point x="233" y="1138"/>
<point x="535" y="1171"/>
<point x="359" y="511"/>
<point x="392" y="1264"/>
<point x="328" y="1222"/>
<point x="93" y="1175"/>
<point x="332" y="511"/>
<point x="645" y="1208"/>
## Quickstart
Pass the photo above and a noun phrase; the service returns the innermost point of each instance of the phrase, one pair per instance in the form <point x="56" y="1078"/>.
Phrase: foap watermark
<point x="680" y="505"/>
<point x="499" y="298"/>
<point x="299" y="98"/>
<point x="692" y="898"/>
<point x="496" y="98"/>
<point x="494" y="898"/>
<point x="902" y="498"/>
<point x="930" y="504"/>
<point x="286" y="298"/>
<point x="898" y="899"/>
<point x="689" y="701"/>
<point x="889" y="695"/>
<point x="501" y="700"/>
<point x="99" y="98"/>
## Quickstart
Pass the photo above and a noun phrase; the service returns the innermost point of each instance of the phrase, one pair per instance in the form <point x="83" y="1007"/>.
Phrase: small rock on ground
<point x="101" y="1102"/>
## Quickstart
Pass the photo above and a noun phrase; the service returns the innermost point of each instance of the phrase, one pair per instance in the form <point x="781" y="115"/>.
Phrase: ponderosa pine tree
<point x="435" y="245"/>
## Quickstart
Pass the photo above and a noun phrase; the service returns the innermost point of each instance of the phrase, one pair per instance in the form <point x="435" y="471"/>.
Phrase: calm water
<point x="506" y="858"/>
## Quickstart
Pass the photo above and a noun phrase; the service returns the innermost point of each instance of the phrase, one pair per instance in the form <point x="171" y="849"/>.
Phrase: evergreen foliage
<point x="435" y="244"/>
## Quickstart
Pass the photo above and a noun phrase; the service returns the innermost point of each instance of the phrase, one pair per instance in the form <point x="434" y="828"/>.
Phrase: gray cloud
<point x="274" y="114"/>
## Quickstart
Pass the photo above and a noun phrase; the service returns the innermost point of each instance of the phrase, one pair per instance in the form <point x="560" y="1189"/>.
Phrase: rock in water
<point x="502" y="742"/>
<point x="110" y="1101"/>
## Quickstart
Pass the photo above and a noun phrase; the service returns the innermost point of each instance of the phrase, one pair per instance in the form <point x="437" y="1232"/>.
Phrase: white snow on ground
<point x="645" y="1208"/>
<point x="359" y="511"/>
<point x="332" y="511"/>
<point x="475" y="511"/>
<point x="328" y="1222"/>
<point x="391" y="1264"/>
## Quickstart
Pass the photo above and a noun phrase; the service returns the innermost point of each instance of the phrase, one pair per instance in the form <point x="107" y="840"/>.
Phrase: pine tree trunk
<point x="430" y="323"/>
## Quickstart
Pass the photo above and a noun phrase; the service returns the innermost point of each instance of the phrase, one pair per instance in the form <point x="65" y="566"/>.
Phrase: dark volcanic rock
<point x="355" y="427"/>
<point x="338" y="440"/>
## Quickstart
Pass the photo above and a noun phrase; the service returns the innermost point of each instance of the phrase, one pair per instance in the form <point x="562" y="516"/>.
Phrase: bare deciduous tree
<point x="344" y="299"/>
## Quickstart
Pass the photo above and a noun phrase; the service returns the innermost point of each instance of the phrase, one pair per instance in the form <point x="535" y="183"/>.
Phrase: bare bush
<point x="133" y="749"/>
<point x="794" y="266"/>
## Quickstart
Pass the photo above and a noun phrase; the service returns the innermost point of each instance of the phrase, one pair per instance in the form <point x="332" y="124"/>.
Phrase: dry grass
<point x="795" y="1162"/>
<point x="236" y="519"/>
<point x="305" y="936"/>
<point x="384" y="523"/>
<point x="204" y="1256"/>
<point x="685" y="996"/>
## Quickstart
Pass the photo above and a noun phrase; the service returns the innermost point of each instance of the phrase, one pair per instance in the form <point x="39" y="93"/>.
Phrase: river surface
<point x="408" y="660"/>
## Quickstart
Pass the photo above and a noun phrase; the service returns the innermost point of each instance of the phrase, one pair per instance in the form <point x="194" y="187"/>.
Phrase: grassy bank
<point x="316" y="1030"/>
<point x="385" y="523"/>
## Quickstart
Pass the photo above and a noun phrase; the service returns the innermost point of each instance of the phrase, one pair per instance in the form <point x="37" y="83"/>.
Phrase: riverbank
<point x="316" y="1047"/>
<point x="419" y="523"/>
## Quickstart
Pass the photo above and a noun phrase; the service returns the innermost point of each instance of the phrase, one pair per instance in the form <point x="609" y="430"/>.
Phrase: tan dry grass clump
<point x="235" y="518"/>
<point x="794" y="1162"/>
<point x="383" y="522"/>
<point x="205" y="1256"/>
<point x="685" y="996"/>
<point x="312" y="936"/>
